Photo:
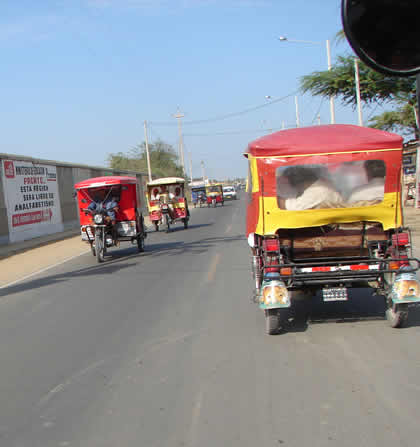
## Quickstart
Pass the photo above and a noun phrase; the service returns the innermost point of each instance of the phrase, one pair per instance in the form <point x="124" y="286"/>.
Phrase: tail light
<point x="271" y="245"/>
<point x="400" y="239"/>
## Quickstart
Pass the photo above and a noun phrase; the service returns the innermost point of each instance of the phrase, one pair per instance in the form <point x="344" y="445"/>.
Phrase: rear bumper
<point x="333" y="272"/>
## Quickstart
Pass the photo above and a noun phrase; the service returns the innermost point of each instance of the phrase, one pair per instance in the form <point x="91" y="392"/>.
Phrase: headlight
<point x="251" y="240"/>
<point x="98" y="218"/>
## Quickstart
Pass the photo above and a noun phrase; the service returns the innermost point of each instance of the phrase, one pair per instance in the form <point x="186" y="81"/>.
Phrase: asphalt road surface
<point x="166" y="349"/>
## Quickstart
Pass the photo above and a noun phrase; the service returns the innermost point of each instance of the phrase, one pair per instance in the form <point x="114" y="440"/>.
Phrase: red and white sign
<point x="32" y="199"/>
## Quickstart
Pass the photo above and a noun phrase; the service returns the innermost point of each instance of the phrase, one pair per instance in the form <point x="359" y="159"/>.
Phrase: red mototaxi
<point x="129" y="218"/>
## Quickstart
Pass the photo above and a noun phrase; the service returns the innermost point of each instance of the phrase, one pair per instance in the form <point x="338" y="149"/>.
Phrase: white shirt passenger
<point x="373" y="190"/>
<point x="319" y="195"/>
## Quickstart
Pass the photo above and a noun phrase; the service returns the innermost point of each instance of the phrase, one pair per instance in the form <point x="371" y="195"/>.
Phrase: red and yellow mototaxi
<point x="214" y="194"/>
<point x="167" y="202"/>
<point x="318" y="219"/>
<point x="97" y="228"/>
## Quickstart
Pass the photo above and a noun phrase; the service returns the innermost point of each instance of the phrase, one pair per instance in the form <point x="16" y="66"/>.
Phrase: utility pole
<point x="358" y="99"/>
<point x="332" y="109"/>
<point x="297" y="112"/>
<point x="191" y="176"/>
<point x="149" y="169"/>
<point x="203" y="173"/>
<point x="178" y="116"/>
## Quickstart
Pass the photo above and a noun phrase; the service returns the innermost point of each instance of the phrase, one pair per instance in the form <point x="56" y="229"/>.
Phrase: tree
<point x="375" y="88"/>
<point x="163" y="160"/>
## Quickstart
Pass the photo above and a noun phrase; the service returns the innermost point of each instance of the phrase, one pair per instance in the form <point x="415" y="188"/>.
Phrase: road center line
<point x="213" y="266"/>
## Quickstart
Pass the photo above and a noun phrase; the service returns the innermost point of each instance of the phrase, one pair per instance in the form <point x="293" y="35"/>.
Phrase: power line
<point x="223" y="117"/>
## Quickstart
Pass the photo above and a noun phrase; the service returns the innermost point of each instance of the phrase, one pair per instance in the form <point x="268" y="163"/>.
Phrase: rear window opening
<point x="331" y="185"/>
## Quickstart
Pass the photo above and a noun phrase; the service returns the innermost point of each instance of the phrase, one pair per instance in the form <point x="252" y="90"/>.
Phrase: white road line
<point x="43" y="270"/>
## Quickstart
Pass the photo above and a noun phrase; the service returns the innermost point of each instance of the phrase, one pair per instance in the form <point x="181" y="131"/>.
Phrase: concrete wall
<point x="67" y="175"/>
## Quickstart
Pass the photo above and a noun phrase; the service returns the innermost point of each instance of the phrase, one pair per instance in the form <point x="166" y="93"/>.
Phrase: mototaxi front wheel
<point x="140" y="244"/>
<point x="168" y="225"/>
<point x="99" y="248"/>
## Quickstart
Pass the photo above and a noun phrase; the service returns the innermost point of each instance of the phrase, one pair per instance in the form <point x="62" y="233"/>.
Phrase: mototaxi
<point x="167" y="202"/>
<point x="96" y="226"/>
<point x="214" y="194"/>
<point x="198" y="195"/>
<point x="347" y="232"/>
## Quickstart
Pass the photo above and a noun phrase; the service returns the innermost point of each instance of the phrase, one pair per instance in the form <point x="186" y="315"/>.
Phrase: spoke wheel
<point x="99" y="248"/>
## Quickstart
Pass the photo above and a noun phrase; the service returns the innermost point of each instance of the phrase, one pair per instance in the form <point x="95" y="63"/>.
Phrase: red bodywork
<point x="219" y="198"/>
<point x="176" y="212"/>
<point x="129" y="197"/>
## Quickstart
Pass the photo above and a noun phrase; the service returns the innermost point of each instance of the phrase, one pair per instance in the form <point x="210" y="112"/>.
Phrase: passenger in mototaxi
<point x="373" y="190"/>
<point x="312" y="190"/>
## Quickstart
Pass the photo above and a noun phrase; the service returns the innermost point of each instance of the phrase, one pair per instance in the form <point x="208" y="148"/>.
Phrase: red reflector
<point x="359" y="267"/>
<point x="286" y="271"/>
<point x="321" y="269"/>
<point x="400" y="239"/>
<point x="271" y="245"/>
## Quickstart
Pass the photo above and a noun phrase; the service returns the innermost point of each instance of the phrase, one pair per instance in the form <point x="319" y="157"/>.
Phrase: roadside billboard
<point x="32" y="199"/>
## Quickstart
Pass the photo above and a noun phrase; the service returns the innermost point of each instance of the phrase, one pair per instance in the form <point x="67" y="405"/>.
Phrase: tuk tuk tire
<point x="99" y="248"/>
<point x="185" y="220"/>
<point x="140" y="244"/>
<point x="272" y="322"/>
<point x="156" y="226"/>
<point x="396" y="319"/>
<point x="168" y="225"/>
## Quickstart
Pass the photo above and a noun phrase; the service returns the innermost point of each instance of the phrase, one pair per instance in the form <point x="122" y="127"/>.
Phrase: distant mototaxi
<point x="167" y="202"/>
<point x="325" y="214"/>
<point x="214" y="193"/>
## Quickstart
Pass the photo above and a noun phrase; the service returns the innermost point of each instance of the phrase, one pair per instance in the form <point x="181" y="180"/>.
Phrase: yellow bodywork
<point x="271" y="217"/>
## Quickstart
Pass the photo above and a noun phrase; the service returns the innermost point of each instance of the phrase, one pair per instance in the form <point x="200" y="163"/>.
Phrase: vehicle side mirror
<point x="382" y="33"/>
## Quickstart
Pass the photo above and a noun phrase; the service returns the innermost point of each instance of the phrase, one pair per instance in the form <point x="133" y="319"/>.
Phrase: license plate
<point x="334" y="294"/>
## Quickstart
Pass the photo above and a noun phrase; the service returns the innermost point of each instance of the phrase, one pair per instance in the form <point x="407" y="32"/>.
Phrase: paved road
<point x="165" y="349"/>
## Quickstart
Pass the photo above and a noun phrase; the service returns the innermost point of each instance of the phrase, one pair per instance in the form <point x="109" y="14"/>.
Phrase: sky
<point x="78" y="78"/>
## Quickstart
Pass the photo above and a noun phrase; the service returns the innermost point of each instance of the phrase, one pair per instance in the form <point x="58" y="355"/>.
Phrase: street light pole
<point x="146" y="141"/>
<point x="332" y="108"/>
<point x="178" y="116"/>
<point x="358" y="98"/>
<point x="285" y="39"/>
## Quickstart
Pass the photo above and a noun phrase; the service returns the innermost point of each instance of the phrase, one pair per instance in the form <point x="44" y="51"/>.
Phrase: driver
<point x="108" y="203"/>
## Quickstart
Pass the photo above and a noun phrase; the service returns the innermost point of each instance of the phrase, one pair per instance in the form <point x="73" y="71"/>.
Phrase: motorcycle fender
<point x="406" y="289"/>
<point x="274" y="295"/>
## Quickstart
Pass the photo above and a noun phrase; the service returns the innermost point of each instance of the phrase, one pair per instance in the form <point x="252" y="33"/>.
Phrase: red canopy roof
<point x="97" y="182"/>
<point x="323" y="139"/>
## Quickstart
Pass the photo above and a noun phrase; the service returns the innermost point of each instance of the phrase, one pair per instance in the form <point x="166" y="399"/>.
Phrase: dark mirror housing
<point x="384" y="34"/>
